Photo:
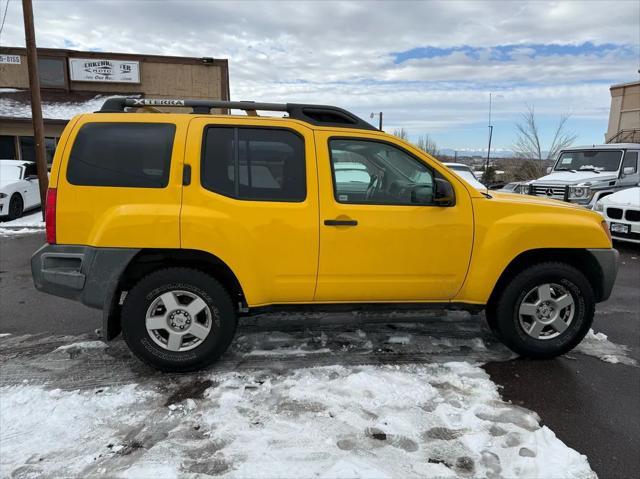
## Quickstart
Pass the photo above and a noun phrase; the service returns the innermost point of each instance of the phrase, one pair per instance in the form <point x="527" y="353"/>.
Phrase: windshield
<point x="589" y="160"/>
<point x="468" y="175"/>
<point x="9" y="173"/>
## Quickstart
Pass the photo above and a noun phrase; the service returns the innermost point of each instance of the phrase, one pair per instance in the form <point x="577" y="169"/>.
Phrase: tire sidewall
<point x="149" y="289"/>
<point x="15" y="198"/>
<point x="508" y="321"/>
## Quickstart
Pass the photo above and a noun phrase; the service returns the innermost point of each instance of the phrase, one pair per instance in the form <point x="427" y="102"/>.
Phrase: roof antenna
<point x="486" y="168"/>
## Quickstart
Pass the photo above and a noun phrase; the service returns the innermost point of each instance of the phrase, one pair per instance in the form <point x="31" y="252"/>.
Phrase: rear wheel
<point x="16" y="206"/>
<point x="178" y="320"/>
<point x="544" y="311"/>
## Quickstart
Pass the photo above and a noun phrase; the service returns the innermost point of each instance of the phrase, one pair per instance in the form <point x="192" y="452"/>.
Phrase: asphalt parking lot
<point x="593" y="406"/>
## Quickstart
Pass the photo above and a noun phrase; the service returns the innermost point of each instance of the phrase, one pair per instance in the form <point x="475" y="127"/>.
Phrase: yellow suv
<point x="174" y="224"/>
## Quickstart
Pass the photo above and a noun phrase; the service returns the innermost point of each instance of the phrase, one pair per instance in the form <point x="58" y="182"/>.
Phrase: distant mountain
<point x="497" y="153"/>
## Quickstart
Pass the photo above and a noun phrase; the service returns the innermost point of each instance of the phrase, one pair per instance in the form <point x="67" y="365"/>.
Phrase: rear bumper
<point x="86" y="274"/>
<point x="608" y="260"/>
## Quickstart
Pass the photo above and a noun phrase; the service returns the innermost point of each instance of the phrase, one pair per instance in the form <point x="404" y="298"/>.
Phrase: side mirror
<point x="628" y="170"/>
<point x="32" y="178"/>
<point x="422" y="195"/>
<point x="549" y="169"/>
<point x="444" y="194"/>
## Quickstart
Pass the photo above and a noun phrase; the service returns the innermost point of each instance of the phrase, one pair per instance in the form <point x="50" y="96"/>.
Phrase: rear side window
<point x="254" y="164"/>
<point x="134" y="155"/>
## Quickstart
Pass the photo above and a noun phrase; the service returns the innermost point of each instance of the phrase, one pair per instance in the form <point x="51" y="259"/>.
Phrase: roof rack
<point x="321" y="115"/>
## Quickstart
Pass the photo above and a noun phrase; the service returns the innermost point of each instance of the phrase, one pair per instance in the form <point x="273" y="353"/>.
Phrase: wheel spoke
<point x="544" y="292"/>
<point x="196" y="306"/>
<point x="536" y="328"/>
<point x="559" y="325"/>
<point x="564" y="301"/>
<point x="169" y="300"/>
<point x="199" y="331"/>
<point x="157" y="322"/>
<point x="174" y="342"/>
<point x="528" y="309"/>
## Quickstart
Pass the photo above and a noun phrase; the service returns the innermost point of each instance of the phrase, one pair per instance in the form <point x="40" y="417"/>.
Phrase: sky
<point x="428" y="66"/>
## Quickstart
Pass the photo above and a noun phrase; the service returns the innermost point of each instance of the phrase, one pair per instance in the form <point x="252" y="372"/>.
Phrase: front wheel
<point x="544" y="311"/>
<point x="178" y="320"/>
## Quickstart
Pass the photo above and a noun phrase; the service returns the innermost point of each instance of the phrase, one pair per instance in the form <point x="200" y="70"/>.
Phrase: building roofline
<point x="621" y="85"/>
<point x="62" y="52"/>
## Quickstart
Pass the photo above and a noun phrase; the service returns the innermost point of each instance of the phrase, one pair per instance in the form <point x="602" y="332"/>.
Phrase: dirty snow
<point x="599" y="346"/>
<point x="347" y="397"/>
<point x="10" y="232"/>
<point x="440" y="420"/>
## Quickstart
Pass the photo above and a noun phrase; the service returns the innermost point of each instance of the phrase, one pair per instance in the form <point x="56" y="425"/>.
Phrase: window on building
<point x="254" y="164"/>
<point x="27" y="148"/>
<point x="136" y="155"/>
<point x="52" y="72"/>
<point x="8" y="147"/>
<point x="49" y="149"/>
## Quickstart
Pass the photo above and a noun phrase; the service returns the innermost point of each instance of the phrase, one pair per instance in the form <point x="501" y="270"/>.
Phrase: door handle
<point x="341" y="222"/>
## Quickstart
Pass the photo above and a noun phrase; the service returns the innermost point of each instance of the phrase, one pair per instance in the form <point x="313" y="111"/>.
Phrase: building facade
<point x="624" y="116"/>
<point x="74" y="82"/>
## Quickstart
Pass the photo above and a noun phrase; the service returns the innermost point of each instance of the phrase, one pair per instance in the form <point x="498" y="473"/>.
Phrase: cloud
<point x="428" y="65"/>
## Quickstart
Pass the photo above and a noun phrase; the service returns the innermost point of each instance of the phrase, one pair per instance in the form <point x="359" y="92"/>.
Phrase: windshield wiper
<point x="564" y="169"/>
<point x="587" y="168"/>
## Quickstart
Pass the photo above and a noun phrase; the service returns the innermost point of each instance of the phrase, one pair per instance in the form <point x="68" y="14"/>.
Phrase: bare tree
<point x="401" y="133"/>
<point x="528" y="145"/>
<point x="427" y="144"/>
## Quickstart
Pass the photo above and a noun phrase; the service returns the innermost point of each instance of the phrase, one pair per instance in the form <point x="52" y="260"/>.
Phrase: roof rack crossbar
<point x="321" y="115"/>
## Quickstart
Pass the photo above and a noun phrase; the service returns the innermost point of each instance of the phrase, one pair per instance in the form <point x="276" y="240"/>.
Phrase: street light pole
<point x="36" y="102"/>
<point x="379" y="114"/>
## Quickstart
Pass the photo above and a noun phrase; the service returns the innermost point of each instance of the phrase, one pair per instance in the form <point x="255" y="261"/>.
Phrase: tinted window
<point x="27" y="148"/>
<point x="254" y="164"/>
<point x="51" y="72"/>
<point x="7" y="147"/>
<point x="630" y="160"/>
<point x="378" y="173"/>
<point x="122" y="154"/>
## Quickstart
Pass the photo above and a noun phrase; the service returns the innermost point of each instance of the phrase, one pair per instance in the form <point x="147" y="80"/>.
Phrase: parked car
<point x="513" y="187"/>
<point x="19" y="189"/>
<point x="176" y="224"/>
<point x="622" y="212"/>
<point x="466" y="173"/>
<point x="583" y="175"/>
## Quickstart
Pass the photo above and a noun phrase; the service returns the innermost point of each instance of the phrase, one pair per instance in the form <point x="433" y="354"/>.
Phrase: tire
<point x="531" y="328"/>
<point x="150" y="327"/>
<point x="16" y="207"/>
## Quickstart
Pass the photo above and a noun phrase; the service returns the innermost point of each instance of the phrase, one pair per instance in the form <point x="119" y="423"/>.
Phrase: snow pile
<point x="29" y="220"/>
<point x="598" y="345"/>
<point x="442" y="420"/>
<point x="9" y="232"/>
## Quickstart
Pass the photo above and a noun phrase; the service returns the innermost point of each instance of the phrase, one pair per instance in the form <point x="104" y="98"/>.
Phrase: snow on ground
<point x="598" y="345"/>
<point x="439" y="420"/>
<point x="28" y="224"/>
<point x="296" y="396"/>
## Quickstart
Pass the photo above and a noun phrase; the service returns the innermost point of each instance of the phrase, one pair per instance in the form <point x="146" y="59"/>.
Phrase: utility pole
<point x="36" y="102"/>
<point x="486" y="168"/>
<point x="379" y="115"/>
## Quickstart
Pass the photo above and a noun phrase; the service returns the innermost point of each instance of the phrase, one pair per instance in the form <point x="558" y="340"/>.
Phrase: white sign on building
<point x="103" y="70"/>
<point x="11" y="59"/>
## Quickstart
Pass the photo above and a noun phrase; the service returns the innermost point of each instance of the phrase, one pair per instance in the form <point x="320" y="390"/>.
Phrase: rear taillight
<point x="50" y="215"/>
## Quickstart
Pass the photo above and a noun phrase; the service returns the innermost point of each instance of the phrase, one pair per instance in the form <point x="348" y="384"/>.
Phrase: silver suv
<point x="584" y="174"/>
